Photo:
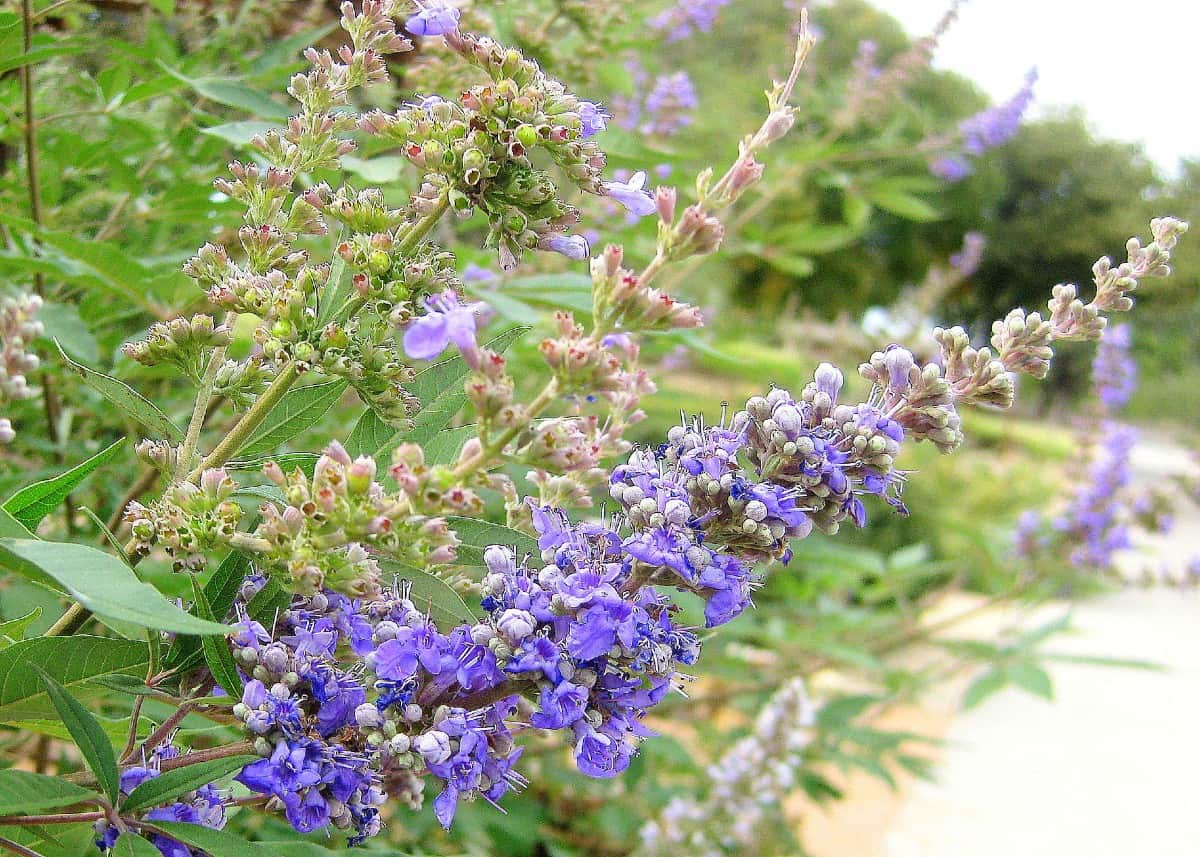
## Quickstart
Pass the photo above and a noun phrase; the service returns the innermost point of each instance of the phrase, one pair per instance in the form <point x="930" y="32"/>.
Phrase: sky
<point x="1133" y="65"/>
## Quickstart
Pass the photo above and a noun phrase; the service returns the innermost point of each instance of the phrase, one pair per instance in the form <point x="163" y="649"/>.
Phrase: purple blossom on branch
<point x="448" y="320"/>
<point x="433" y="18"/>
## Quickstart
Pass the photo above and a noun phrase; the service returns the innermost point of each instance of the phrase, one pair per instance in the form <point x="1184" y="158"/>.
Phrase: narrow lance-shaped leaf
<point x="216" y="843"/>
<point x="432" y="594"/>
<point x="216" y="649"/>
<point x="299" y="409"/>
<point x="440" y="391"/>
<point x="179" y="781"/>
<point x="24" y="792"/>
<point x="101" y="583"/>
<point x="89" y="737"/>
<point x="478" y="535"/>
<point x="14" y="629"/>
<point x="11" y="528"/>
<point x="72" y="661"/>
<point x="134" y="404"/>
<point x="129" y="844"/>
<point x="34" y="502"/>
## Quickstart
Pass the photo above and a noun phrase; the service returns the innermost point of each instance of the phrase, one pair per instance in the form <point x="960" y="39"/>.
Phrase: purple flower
<point x="593" y="118"/>
<point x="574" y="247"/>
<point x="632" y="194"/>
<point x="473" y="273"/>
<point x="434" y="18"/>
<point x="560" y="706"/>
<point x="951" y="168"/>
<point x="447" y="321"/>
<point x="997" y="125"/>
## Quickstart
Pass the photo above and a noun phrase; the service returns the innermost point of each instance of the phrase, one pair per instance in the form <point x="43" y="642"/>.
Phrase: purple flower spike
<point x="447" y="321"/>
<point x="435" y="18"/>
<point x="632" y="194"/>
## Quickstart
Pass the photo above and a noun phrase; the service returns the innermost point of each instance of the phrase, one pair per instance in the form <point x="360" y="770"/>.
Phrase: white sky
<point x="1134" y="65"/>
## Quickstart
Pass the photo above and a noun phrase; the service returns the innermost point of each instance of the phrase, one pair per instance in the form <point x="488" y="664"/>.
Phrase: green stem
<point x="200" y="410"/>
<point x="57" y="818"/>
<point x="15" y="848"/>
<point x="69" y="622"/>
<point x="250" y="420"/>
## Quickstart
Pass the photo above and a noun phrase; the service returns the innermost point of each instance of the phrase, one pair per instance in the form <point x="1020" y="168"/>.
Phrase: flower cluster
<point x="478" y="151"/>
<point x="660" y="107"/>
<point x="18" y="329"/>
<point x="985" y="130"/>
<point x="751" y="778"/>
<point x="1094" y="525"/>
<point x="203" y="805"/>
<point x="684" y="18"/>
<point x="1114" y="374"/>
<point x="350" y="700"/>
<point x="318" y="534"/>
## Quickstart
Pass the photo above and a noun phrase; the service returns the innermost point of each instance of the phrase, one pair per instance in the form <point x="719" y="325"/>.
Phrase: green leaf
<point x="298" y="410"/>
<point x="62" y="323"/>
<point x="238" y="133"/>
<point x="23" y="793"/>
<point x="134" y="404"/>
<point x="37" y="55"/>
<point x="384" y="169"/>
<point x="216" y="843"/>
<point x="11" y="528"/>
<point x="1030" y="677"/>
<point x="34" y="502"/>
<point x="477" y="535"/>
<point x="432" y="594"/>
<point x="443" y="447"/>
<point x="217" y="653"/>
<point x="14" y="629"/>
<point x="440" y="390"/>
<point x="232" y="94"/>
<point x="89" y="737"/>
<point x="288" y="461"/>
<point x="221" y="591"/>
<point x="983" y="687"/>
<point x="182" y="780"/>
<point x="129" y="844"/>
<point x="91" y="261"/>
<point x="903" y="204"/>
<point x="73" y="662"/>
<point x="101" y="583"/>
<point x="267" y="602"/>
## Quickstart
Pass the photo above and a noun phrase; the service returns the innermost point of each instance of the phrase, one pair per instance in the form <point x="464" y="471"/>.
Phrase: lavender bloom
<point x="1093" y="523"/>
<point x="632" y="195"/>
<point x="433" y="18"/>
<point x="668" y="104"/>
<point x="687" y="17"/>
<point x="966" y="261"/>
<point x="987" y="129"/>
<point x="204" y="806"/>
<point x="473" y="273"/>
<point x="1114" y="374"/>
<point x="997" y="125"/>
<point x="574" y="247"/>
<point x="951" y="168"/>
<point x="447" y="321"/>
<point x="593" y="118"/>
<point x="744" y="785"/>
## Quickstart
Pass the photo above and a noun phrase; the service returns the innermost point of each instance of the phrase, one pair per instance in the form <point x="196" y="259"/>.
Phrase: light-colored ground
<point x="1109" y="769"/>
